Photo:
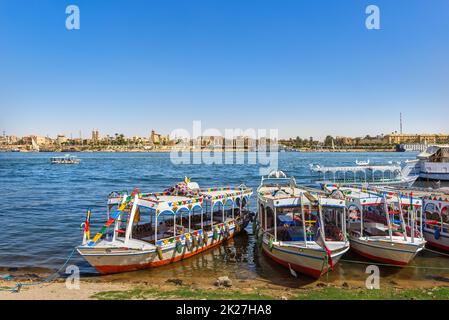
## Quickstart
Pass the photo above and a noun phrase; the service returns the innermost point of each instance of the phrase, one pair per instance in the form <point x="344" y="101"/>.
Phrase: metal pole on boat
<point x="390" y="231"/>
<point x="303" y="220"/>
<point x="320" y="212"/>
<point x="421" y="220"/>
<point x="265" y="218"/>
<point x="361" y="220"/>
<point x="189" y="220"/>
<point x="412" y="228"/>
<point x="223" y="213"/>
<point x="232" y="210"/>
<point x="240" y="206"/>
<point x="401" y="216"/>
<point x="129" y="227"/>
<point x="174" y="224"/>
<point x="343" y="221"/>
<point x="275" y="225"/>
<point x="202" y="218"/>
<point x="155" y="228"/>
<point x="211" y="216"/>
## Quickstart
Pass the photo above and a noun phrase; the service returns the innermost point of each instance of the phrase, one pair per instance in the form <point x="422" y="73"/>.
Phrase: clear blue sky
<point x="308" y="68"/>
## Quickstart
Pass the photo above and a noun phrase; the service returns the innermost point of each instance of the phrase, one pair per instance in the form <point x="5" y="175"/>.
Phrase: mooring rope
<point x="49" y="279"/>
<point x="393" y="265"/>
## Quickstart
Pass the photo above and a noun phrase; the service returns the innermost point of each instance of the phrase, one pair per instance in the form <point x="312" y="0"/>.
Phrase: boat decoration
<point x="301" y="230"/>
<point x="153" y="229"/>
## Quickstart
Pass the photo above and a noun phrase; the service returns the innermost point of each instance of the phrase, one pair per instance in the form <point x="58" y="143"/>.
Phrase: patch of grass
<point x="333" y="293"/>
<point x="180" y="293"/>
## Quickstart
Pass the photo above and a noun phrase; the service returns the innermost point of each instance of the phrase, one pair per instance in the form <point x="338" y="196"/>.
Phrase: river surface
<point x="43" y="205"/>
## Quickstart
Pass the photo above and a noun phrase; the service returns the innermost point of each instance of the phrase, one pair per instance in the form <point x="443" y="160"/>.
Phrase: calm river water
<point x="43" y="205"/>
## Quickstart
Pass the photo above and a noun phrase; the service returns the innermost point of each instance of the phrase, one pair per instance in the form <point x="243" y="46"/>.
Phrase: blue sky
<point x="308" y="68"/>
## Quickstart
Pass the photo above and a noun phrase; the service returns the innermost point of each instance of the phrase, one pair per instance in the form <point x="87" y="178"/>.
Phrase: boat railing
<point x="186" y="235"/>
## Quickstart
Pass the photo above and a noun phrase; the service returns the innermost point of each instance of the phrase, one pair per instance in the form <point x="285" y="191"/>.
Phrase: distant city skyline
<point x="308" y="69"/>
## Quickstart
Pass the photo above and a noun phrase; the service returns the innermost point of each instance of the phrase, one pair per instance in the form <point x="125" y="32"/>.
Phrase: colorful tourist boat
<point x="382" y="226"/>
<point x="154" y="229"/>
<point x="300" y="230"/>
<point x="436" y="221"/>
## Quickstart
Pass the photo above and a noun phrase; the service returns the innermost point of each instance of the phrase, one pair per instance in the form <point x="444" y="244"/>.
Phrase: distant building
<point x="95" y="136"/>
<point x="61" y="139"/>
<point x="398" y="138"/>
<point x="157" y="138"/>
<point x="33" y="139"/>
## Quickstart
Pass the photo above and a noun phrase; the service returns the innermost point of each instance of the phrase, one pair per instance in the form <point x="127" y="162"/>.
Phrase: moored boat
<point x="298" y="229"/>
<point x="153" y="229"/>
<point x="383" y="227"/>
<point x="436" y="222"/>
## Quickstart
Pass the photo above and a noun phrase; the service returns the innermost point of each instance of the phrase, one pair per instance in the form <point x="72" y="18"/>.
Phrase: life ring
<point x="159" y="252"/>
<point x="178" y="246"/>
<point x="436" y="234"/>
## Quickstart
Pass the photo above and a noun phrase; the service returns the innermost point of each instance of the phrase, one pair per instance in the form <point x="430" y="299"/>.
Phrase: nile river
<point x="43" y="205"/>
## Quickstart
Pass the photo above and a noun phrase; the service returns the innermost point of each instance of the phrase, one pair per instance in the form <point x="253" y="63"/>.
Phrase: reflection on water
<point x="43" y="205"/>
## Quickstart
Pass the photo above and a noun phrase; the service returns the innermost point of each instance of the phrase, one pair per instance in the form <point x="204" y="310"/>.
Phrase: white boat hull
<point x="397" y="252"/>
<point x="441" y="241"/>
<point x="309" y="261"/>
<point x="108" y="260"/>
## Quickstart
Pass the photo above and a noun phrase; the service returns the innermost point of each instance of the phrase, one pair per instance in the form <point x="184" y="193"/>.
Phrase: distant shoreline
<point x="76" y="150"/>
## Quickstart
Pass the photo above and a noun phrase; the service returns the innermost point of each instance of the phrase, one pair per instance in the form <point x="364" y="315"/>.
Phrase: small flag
<point x="86" y="225"/>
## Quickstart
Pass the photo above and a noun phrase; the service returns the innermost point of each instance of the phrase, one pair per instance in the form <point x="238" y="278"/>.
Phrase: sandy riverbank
<point x="109" y="287"/>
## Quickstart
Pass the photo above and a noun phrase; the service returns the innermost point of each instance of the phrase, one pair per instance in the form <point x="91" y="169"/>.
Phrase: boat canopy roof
<point x="165" y="202"/>
<point x="283" y="192"/>
<point x="371" y="196"/>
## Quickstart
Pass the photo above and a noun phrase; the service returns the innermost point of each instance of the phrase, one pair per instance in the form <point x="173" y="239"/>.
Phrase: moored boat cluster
<point x="305" y="229"/>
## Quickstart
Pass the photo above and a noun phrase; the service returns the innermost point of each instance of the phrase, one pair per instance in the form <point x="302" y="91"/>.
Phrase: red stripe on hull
<point x="304" y="270"/>
<point x="117" y="269"/>
<point x="379" y="259"/>
<point x="438" y="245"/>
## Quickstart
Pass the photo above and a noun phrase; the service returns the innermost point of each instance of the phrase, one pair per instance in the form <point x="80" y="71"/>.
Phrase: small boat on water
<point x="66" y="159"/>
<point x="154" y="229"/>
<point x="382" y="226"/>
<point x="300" y="230"/>
<point x="436" y="222"/>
